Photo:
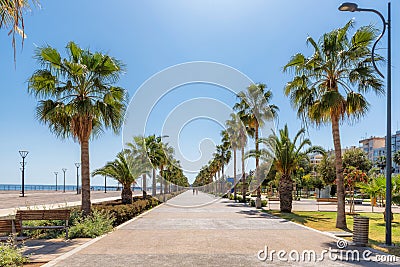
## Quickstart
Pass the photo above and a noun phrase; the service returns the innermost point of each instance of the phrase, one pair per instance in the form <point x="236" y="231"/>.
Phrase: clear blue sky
<point x="256" y="37"/>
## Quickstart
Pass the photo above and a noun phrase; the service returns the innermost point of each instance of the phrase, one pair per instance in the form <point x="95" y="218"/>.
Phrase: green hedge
<point x="123" y="213"/>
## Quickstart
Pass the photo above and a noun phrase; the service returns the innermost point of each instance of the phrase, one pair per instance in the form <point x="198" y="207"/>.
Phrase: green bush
<point x="10" y="255"/>
<point x="96" y="224"/>
<point x="123" y="213"/>
<point x="263" y="203"/>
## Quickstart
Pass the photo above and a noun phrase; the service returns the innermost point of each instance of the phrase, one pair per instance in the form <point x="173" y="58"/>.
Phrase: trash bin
<point x="360" y="230"/>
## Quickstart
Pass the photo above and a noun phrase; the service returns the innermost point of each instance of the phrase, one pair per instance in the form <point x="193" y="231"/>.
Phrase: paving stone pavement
<point x="222" y="233"/>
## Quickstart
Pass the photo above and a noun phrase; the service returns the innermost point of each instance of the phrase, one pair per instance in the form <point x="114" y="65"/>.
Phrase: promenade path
<point x="199" y="230"/>
<point x="10" y="201"/>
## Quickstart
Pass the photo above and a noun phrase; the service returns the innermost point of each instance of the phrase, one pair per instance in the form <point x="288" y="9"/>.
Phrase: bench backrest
<point x="43" y="214"/>
<point x="327" y="199"/>
<point x="6" y="226"/>
<point x="273" y="198"/>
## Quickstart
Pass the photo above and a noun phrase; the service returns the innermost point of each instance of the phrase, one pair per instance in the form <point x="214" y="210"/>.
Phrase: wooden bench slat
<point x="27" y="215"/>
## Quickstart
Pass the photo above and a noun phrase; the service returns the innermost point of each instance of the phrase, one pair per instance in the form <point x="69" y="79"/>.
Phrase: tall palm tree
<point x="12" y="18"/>
<point x="287" y="155"/>
<point x="78" y="98"/>
<point x="328" y="87"/>
<point x="126" y="168"/>
<point x="255" y="110"/>
<point x="154" y="154"/>
<point x="138" y="149"/>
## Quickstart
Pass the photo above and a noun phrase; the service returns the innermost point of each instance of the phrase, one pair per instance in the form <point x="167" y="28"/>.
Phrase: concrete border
<point x="81" y="247"/>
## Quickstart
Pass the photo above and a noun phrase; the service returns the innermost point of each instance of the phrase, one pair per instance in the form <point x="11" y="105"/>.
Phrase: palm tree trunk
<point x="144" y="185"/>
<point x="243" y="177"/>
<point x="234" y="174"/>
<point x="154" y="185"/>
<point x="258" y="200"/>
<point x="85" y="174"/>
<point x="341" y="212"/>
<point x="285" y="193"/>
<point x="126" y="194"/>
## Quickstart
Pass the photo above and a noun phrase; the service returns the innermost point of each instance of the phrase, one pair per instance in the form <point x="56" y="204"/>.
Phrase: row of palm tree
<point x="136" y="161"/>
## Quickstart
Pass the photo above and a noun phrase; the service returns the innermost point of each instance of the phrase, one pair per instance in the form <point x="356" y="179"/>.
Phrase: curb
<point x="81" y="247"/>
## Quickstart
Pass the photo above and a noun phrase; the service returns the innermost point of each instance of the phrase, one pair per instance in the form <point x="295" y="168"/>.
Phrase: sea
<point x="36" y="187"/>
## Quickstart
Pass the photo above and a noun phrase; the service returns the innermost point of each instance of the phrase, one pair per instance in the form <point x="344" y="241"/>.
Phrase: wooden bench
<point x="271" y="199"/>
<point x="29" y="215"/>
<point x="8" y="229"/>
<point x="326" y="201"/>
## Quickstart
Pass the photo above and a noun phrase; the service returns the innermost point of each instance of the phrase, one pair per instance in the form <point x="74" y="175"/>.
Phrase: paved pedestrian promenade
<point x="184" y="233"/>
<point x="10" y="201"/>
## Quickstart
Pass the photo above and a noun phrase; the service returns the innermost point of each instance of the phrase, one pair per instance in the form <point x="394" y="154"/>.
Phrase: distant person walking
<point x="197" y="191"/>
<point x="193" y="190"/>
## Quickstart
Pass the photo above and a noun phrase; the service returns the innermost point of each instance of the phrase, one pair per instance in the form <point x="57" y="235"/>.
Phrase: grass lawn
<point x="326" y="220"/>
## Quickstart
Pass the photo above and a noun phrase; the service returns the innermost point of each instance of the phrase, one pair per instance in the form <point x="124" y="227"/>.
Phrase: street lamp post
<point x="386" y="24"/>
<point x="105" y="184"/>
<point x="23" y="155"/>
<point x="64" y="170"/>
<point x="56" y="173"/>
<point x="77" y="165"/>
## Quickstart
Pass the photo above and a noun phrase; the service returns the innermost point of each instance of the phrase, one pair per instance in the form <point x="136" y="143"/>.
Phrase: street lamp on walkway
<point x="352" y="7"/>
<point x="56" y="173"/>
<point x="23" y="154"/>
<point x="64" y="170"/>
<point x="77" y="165"/>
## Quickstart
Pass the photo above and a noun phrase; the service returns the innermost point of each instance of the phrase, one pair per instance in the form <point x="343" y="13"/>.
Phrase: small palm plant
<point x="287" y="154"/>
<point x="126" y="168"/>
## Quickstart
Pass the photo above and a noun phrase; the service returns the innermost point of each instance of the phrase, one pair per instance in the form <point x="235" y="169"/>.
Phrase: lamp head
<point x="23" y="153"/>
<point x="64" y="169"/>
<point x="77" y="164"/>
<point x="347" y="6"/>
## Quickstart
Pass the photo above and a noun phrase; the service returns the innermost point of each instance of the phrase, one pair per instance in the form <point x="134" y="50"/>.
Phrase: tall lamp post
<point x="77" y="165"/>
<point x="105" y="184"/>
<point x="56" y="173"/>
<point x="64" y="170"/>
<point x="386" y="24"/>
<point x="23" y="154"/>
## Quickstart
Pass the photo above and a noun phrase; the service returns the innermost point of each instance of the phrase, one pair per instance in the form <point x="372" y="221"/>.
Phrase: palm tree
<point x="322" y="88"/>
<point x="396" y="157"/>
<point x="238" y="138"/>
<point x="138" y="149"/>
<point x="125" y="169"/>
<point x="12" y="18"/>
<point x="254" y="110"/>
<point x="287" y="155"/>
<point x="154" y="154"/>
<point x="77" y="98"/>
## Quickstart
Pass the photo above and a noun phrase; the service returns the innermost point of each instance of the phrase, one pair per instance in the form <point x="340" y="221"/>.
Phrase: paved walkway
<point x="222" y="233"/>
<point x="10" y="201"/>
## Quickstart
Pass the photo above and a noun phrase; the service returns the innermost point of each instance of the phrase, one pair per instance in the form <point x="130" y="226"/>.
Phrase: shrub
<point x="96" y="224"/>
<point x="123" y="213"/>
<point x="10" y="255"/>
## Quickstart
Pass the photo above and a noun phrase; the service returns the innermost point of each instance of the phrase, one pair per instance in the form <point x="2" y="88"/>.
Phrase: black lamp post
<point x="56" y="173"/>
<point x="386" y="24"/>
<point x="64" y="170"/>
<point x="105" y="184"/>
<point x="77" y="177"/>
<point x="23" y="155"/>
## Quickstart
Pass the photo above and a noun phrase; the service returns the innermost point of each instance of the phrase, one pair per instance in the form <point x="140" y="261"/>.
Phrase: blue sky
<point x="256" y="37"/>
